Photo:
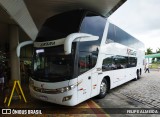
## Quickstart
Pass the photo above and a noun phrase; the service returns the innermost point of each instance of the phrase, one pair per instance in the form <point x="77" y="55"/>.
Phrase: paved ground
<point x="144" y="93"/>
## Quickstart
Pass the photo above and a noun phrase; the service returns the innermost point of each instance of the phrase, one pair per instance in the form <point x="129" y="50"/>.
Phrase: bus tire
<point x="103" y="89"/>
<point x="140" y="72"/>
<point x="138" y="75"/>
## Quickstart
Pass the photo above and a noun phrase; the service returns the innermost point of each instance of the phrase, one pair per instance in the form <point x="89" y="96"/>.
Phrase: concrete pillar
<point x="14" y="60"/>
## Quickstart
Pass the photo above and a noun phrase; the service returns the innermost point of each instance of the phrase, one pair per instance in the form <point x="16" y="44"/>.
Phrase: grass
<point x="154" y="66"/>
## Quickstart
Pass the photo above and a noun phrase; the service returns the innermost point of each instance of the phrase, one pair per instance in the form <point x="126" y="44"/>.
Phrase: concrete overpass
<point x="20" y="20"/>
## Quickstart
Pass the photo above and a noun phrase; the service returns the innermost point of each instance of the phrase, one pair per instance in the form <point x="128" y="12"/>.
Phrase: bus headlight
<point x="51" y="91"/>
<point x="65" y="89"/>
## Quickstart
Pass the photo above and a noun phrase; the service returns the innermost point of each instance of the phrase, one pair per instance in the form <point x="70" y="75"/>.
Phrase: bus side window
<point x="132" y="62"/>
<point x="84" y="62"/>
<point x="121" y="62"/>
<point x="108" y="64"/>
<point x="87" y="61"/>
<point x="94" y="59"/>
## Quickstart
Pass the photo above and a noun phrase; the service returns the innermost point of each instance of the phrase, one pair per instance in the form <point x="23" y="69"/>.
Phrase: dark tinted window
<point x="86" y="61"/>
<point x="88" y="51"/>
<point x="92" y="24"/>
<point x="115" y="34"/>
<point x="52" y="65"/>
<point x="132" y="62"/>
<point x="118" y="62"/>
<point x="108" y="64"/>
<point x="49" y="65"/>
<point x="60" y="26"/>
<point x="94" y="57"/>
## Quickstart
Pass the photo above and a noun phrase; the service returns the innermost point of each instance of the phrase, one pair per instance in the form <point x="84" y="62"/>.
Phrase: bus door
<point x="96" y="72"/>
<point x="94" y="83"/>
<point x="84" y="78"/>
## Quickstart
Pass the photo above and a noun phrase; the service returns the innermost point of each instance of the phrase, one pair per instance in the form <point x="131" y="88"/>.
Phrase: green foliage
<point x="158" y="50"/>
<point x="154" y="65"/>
<point x="149" y="51"/>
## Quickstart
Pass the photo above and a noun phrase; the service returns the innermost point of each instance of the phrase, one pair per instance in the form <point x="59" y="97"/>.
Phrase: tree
<point x="158" y="51"/>
<point x="149" y="51"/>
<point x="158" y="58"/>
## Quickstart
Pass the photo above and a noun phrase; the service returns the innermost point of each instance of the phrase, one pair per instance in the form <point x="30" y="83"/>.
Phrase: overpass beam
<point x="18" y="11"/>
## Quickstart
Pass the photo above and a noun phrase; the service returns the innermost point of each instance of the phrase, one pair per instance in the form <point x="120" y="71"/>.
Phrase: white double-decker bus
<point x="79" y="55"/>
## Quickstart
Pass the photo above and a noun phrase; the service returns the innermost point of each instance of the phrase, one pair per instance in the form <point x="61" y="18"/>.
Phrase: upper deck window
<point x="116" y="34"/>
<point x="60" y="26"/>
<point x="92" y="24"/>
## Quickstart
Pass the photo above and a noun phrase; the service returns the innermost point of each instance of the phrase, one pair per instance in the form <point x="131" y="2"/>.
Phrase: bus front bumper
<point x="66" y="98"/>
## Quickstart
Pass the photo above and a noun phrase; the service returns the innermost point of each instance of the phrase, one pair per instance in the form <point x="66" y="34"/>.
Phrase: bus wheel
<point x="140" y="72"/>
<point x="103" y="89"/>
<point x="138" y="75"/>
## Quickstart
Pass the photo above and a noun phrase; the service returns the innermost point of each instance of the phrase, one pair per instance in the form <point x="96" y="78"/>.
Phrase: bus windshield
<point x="52" y="65"/>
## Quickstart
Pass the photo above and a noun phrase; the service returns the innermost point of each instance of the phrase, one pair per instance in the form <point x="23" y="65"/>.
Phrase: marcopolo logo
<point x="48" y="44"/>
<point x="131" y="52"/>
<point x="6" y="111"/>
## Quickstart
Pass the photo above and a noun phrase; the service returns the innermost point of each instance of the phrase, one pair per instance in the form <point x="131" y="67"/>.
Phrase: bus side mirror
<point x="77" y="37"/>
<point x="22" y="45"/>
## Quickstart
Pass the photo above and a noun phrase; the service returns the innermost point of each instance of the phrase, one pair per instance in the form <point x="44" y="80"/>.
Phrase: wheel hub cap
<point x="103" y="88"/>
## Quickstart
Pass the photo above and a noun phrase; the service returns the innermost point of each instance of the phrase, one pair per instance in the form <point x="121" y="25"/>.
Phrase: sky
<point x="141" y="19"/>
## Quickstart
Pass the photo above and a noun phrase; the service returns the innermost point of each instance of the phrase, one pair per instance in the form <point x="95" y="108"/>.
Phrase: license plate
<point x="43" y="97"/>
